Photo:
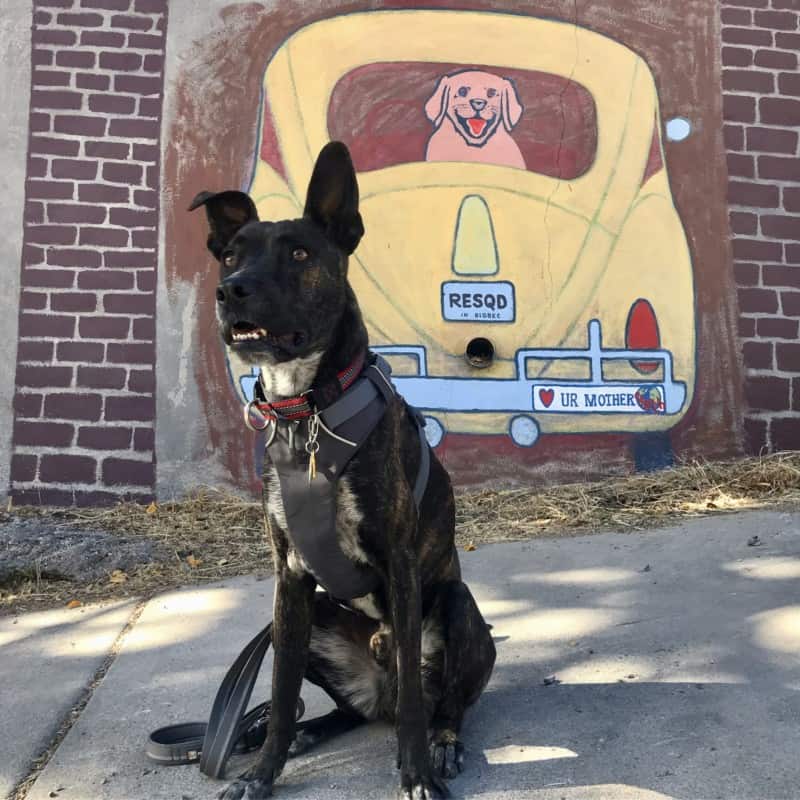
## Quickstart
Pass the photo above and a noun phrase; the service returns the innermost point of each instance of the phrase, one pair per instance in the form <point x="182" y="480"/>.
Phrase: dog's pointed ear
<point x="436" y="107"/>
<point x="510" y="105"/>
<point x="332" y="197"/>
<point x="226" y="212"/>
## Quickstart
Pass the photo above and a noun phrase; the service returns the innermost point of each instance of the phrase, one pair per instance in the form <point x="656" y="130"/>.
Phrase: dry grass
<point x="213" y="534"/>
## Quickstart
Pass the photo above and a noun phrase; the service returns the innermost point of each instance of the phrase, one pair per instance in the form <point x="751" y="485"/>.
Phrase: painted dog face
<point x="476" y="102"/>
<point x="283" y="285"/>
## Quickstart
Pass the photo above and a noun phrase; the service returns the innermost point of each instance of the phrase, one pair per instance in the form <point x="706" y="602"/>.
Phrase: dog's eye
<point x="463" y="91"/>
<point x="229" y="260"/>
<point x="298" y="254"/>
<point x="491" y="92"/>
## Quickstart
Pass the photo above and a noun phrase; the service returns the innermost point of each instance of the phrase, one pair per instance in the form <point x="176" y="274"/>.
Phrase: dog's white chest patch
<point x="290" y="377"/>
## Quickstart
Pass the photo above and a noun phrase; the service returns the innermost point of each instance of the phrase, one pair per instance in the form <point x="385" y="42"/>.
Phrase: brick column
<point x="761" y="84"/>
<point x="85" y="381"/>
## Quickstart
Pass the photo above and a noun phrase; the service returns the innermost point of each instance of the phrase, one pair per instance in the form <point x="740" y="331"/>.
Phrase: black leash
<point x="229" y="729"/>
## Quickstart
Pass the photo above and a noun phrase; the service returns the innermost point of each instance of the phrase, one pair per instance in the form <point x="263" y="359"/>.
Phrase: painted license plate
<point x="478" y="301"/>
<point x="608" y="399"/>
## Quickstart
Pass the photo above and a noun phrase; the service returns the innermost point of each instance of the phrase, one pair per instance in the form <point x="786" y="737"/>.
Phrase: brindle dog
<point x="416" y="651"/>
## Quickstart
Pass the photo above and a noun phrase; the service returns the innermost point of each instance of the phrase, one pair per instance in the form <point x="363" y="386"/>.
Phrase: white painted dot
<point x="678" y="129"/>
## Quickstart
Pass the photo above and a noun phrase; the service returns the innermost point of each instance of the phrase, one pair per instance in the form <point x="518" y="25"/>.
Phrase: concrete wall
<point x="593" y="204"/>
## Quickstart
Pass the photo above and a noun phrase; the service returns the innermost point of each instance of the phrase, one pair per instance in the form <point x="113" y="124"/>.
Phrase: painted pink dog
<point x="473" y="113"/>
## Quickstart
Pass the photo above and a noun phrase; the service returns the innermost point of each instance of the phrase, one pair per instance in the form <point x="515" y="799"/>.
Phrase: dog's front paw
<point x="250" y="786"/>
<point x="421" y="787"/>
<point x="447" y="754"/>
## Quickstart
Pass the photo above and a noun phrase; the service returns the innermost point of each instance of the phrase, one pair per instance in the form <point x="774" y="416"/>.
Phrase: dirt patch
<point x="213" y="535"/>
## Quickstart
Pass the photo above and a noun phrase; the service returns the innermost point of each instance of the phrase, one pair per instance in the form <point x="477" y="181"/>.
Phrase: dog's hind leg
<point x="469" y="659"/>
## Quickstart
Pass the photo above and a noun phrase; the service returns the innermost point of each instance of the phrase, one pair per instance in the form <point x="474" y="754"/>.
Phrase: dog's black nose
<point x="478" y="105"/>
<point x="237" y="287"/>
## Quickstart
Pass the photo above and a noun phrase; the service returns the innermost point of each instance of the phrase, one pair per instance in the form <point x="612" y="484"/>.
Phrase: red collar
<point x="258" y="416"/>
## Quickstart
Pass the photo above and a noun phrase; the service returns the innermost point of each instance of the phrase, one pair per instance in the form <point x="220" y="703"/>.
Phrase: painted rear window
<point x="379" y="112"/>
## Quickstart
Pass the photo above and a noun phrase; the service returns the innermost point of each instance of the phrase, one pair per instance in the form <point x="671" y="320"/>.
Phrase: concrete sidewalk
<point x="677" y="652"/>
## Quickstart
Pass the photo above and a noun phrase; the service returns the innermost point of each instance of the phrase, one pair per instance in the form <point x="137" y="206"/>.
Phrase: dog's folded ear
<point x="226" y="212"/>
<point x="332" y="198"/>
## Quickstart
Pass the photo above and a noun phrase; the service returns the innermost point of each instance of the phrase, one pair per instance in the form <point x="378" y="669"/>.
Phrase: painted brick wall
<point x="761" y="85"/>
<point x="85" y="380"/>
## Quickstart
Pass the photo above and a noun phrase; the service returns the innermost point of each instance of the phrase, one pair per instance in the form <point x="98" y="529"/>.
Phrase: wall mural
<point x="524" y="270"/>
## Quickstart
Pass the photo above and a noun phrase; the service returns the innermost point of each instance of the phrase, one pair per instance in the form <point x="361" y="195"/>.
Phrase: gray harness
<point x="324" y="443"/>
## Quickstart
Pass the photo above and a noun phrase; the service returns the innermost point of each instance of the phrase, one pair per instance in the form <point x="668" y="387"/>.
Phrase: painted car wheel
<point x="434" y="431"/>
<point x="524" y="431"/>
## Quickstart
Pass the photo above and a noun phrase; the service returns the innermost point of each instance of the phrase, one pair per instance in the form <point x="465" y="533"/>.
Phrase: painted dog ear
<point x="510" y="105"/>
<point x="332" y="197"/>
<point x="436" y="107"/>
<point x="226" y="212"/>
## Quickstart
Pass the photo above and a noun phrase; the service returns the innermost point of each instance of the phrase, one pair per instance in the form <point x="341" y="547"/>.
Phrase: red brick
<point x="776" y="20"/>
<point x="779" y="275"/>
<point x="23" y="468"/>
<point x="40" y="496"/>
<point x="112" y="104"/>
<point x="755" y="433"/>
<point x="746" y="36"/>
<point x="788" y="356"/>
<point x="75" y="213"/>
<point x="32" y="255"/>
<point x="122" y="173"/>
<point x="45" y="326"/>
<point x="746" y="327"/>
<point x="102" y="377"/>
<point x="144" y="439"/>
<point x="790" y="304"/>
<point x="131" y="354"/>
<point x="73" y="301"/>
<point x="793" y="5"/>
<point x="146" y="41"/>
<point x="99" y="193"/>
<point x="134" y="128"/>
<point x="144" y="329"/>
<point x="80" y="59"/>
<point x="38" y="377"/>
<point x="748" y="80"/>
<point x="43" y="434"/>
<point x="785" y="432"/>
<point x="35" y="351"/>
<point x="102" y="438"/>
<point x="776" y="328"/>
<point x="781" y="227"/>
<point x="80" y="351"/>
<point x="115" y="150"/>
<point x="123" y="62"/>
<point x="105" y="279"/>
<point x="150" y="107"/>
<point x="27" y="404"/>
<point x="775" y="59"/>
<point x="789" y="83"/>
<point x="151" y="6"/>
<point x="43" y="77"/>
<point x="34" y="213"/>
<point x="73" y="406"/>
<point x="58" y="468"/>
<point x="131" y="258"/>
<point x="145" y="197"/>
<point x="741" y="166"/>
<point x="33" y="301"/>
<point x="107" y="5"/>
<point x="153" y="63"/>
<point x="767" y="393"/>
<point x="41" y="58"/>
<point x="130" y="407"/>
<point x="791" y="253"/>
<point x="129" y="303"/>
<point x="758" y="301"/>
<point x="791" y="198"/>
<point x="743" y="223"/>
<point x="37" y="167"/>
<point x="39" y="122"/>
<point x="757" y="355"/>
<point x="778" y="168"/>
<point x="48" y="278"/>
<point x="54" y="147"/>
<point x="50" y="190"/>
<point x="746" y="274"/>
<point x="110" y="237"/>
<point x="127" y="472"/>
<point x="80" y="20"/>
<point x="87" y="80"/>
<point x="757" y="250"/>
<point x="736" y="16"/>
<point x="133" y="218"/>
<point x="55" y="37"/>
<point x="80" y="126"/>
<point x="772" y="140"/>
<point x="795" y="396"/>
<point x="736" y="57"/>
<point x="152" y="178"/>
<point x="41" y="18"/>
<point x="142" y="381"/>
<point x="779" y="111"/>
<point x="102" y="39"/>
<point x="69" y="257"/>
<point x="104" y="327"/>
<point x="146" y="280"/>
<point x="145" y="238"/>
<point x="131" y="23"/>
<point x="734" y="137"/>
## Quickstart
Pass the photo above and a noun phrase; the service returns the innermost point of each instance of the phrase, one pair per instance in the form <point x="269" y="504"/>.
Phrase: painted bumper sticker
<point x="607" y="399"/>
<point x="478" y="301"/>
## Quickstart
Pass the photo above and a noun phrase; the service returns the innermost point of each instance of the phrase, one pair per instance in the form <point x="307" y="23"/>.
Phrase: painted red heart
<point x="546" y="396"/>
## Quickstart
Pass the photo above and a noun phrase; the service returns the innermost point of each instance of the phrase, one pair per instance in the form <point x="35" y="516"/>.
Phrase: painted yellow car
<point x="571" y="287"/>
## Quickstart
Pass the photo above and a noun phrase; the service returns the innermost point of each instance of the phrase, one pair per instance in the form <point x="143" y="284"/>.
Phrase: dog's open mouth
<point x="243" y="332"/>
<point x="476" y="125"/>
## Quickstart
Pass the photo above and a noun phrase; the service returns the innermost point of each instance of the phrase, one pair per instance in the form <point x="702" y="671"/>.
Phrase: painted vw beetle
<point x="568" y="283"/>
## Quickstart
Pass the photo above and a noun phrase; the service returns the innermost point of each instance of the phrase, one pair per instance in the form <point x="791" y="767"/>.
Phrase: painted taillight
<point x="641" y="333"/>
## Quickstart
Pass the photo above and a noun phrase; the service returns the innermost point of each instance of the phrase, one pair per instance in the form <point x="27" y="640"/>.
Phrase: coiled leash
<point x="229" y="729"/>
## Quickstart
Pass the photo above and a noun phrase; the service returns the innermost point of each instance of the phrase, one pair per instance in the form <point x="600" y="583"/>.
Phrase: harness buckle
<point x="254" y="419"/>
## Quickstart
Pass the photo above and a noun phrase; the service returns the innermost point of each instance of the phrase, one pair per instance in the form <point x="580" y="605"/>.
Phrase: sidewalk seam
<point x="21" y="789"/>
